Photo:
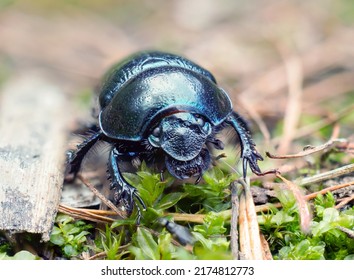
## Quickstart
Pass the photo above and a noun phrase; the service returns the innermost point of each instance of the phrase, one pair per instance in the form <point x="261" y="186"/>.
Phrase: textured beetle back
<point x="129" y="68"/>
<point x="157" y="92"/>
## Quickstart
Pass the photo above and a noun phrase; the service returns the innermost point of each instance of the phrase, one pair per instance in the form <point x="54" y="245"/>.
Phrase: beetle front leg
<point x="249" y="153"/>
<point x="75" y="157"/>
<point x="123" y="191"/>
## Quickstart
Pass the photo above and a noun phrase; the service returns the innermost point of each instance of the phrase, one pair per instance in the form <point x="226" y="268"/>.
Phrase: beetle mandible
<point x="163" y="107"/>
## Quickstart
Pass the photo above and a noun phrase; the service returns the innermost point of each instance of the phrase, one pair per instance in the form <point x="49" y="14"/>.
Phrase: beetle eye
<point x="156" y="132"/>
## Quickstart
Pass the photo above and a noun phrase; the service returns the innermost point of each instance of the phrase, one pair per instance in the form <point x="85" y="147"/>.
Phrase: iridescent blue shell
<point x="148" y="86"/>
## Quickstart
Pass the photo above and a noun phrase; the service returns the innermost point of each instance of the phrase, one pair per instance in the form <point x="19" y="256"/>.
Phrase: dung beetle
<point x="162" y="108"/>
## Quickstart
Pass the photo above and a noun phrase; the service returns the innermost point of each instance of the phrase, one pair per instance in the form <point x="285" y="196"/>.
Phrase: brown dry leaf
<point x="304" y="211"/>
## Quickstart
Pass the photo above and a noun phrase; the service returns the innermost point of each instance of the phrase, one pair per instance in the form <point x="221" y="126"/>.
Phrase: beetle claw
<point x="125" y="195"/>
<point x="251" y="158"/>
<point x="252" y="161"/>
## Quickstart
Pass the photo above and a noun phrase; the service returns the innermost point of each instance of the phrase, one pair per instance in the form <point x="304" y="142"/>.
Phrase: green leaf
<point x="169" y="200"/>
<point x="211" y="249"/>
<point x="81" y="237"/>
<point x="181" y="253"/>
<point x="70" y="251"/>
<point x="287" y="199"/>
<point x="123" y="222"/>
<point x="138" y="253"/>
<point x="349" y="257"/>
<point x="303" y="251"/>
<point x="151" y="214"/>
<point x="281" y="217"/>
<point x="165" y="246"/>
<point x="63" y="219"/>
<point x="22" y="255"/>
<point x="57" y="239"/>
<point x="204" y="242"/>
<point x="68" y="227"/>
<point x="73" y="229"/>
<point x="193" y="190"/>
<point x="147" y="244"/>
<point x="330" y="215"/>
<point x="213" y="225"/>
<point x="56" y="230"/>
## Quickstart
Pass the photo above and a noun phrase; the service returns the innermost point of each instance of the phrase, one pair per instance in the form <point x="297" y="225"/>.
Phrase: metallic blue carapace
<point x="155" y="93"/>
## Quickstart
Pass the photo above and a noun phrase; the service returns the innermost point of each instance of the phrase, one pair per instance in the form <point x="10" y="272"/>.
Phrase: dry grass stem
<point x="304" y="212"/>
<point x="345" y="201"/>
<point x="234" y="218"/>
<point x="102" y="197"/>
<point x="244" y="234"/>
<point x="326" y="175"/>
<point x="267" y="207"/>
<point x="250" y="226"/>
<point x="347" y="231"/>
<point x="183" y="217"/>
<point x="329" y="189"/>
<point x="84" y="214"/>
<point x="309" y="150"/>
<point x="98" y="256"/>
<point x="267" y="255"/>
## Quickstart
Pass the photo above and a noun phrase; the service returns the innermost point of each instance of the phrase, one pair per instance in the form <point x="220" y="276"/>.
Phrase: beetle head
<point x="181" y="135"/>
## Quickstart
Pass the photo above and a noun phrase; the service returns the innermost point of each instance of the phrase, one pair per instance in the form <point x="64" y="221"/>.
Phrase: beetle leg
<point x="75" y="157"/>
<point x="218" y="144"/>
<point x="123" y="191"/>
<point x="181" y="233"/>
<point x="249" y="153"/>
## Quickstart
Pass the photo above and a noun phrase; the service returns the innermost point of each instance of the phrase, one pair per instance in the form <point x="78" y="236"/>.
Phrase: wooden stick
<point x="32" y="154"/>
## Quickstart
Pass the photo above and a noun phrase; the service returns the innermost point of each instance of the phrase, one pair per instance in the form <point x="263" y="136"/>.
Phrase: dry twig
<point x="102" y="197"/>
<point x="309" y="150"/>
<point x="250" y="241"/>
<point x="234" y="219"/>
<point x="326" y="175"/>
<point x="344" y="201"/>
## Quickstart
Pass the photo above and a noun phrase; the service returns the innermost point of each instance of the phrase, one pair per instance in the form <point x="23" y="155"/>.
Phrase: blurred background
<point x="279" y="60"/>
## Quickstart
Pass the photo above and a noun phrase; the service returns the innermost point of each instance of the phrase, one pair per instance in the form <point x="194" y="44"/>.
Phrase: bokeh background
<point x="271" y="56"/>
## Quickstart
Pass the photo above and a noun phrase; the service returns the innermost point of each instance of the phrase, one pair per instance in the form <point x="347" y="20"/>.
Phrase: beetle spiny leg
<point x="249" y="153"/>
<point x="142" y="203"/>
<point x="75" y="158"/>
<point x="138" y="214"/>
